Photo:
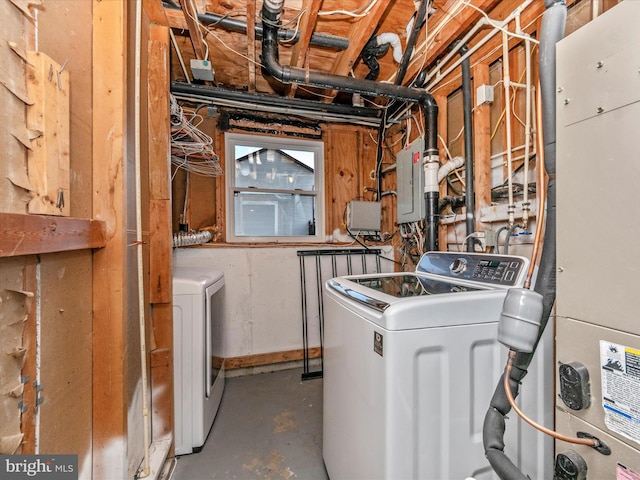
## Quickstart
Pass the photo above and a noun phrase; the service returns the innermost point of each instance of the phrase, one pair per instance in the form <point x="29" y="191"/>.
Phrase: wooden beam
<point x="454" y="22"/>
<point x="160" y="224"/>
<point x="301" y="48"/>
<point x="260" y="359"/>
<point x="110" y="357"/>
<point x="191" y="17"/>
<point x="32" y="234"/>
<point x="176" y="19"/>
<point x="251" y="43"/>
<point x="481" y="142"/>
<point x="491" y="51"/>
<point x="359" y="35"/>
<point x="155" y="12"/>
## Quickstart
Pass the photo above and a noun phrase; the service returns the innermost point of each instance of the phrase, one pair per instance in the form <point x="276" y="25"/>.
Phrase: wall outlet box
<point x="201" y="70"/>
<point x="484" y="94"/>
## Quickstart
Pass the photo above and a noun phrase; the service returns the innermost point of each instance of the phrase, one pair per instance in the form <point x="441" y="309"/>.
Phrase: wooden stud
<point x="251" y="43"/>
<point x="109" y="266"/>
<point x="482" y="142"/>
<point x="191" y="17"/>
<point x="301" y="48"/>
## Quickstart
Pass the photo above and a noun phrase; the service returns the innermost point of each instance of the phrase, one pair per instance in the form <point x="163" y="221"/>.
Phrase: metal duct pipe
<point x="552" y="30"/>
<point x="271" y="11"/>
<point x="205" y="91"/>
<point x="411" y="42"/>
<point x="233" y="25"/>
<point x="469" y="191"/>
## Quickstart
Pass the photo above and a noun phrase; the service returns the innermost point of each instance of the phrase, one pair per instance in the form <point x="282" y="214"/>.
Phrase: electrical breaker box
<point x="410" y="180"/>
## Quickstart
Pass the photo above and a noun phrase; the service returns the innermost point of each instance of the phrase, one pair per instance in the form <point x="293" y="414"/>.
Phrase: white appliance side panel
<point x="440" y="382"/>
<point x="353" y="397"/>
<point x="598" y="170"/>
<point x="183" y="365"/>
<point x="213" y="379"/>
<point x="197" y="349"/>
<point x="409" y="412"/>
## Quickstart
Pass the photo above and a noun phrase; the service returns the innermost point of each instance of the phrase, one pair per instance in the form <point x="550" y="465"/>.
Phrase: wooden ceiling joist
<point x="358" y="36"/>
<point x="301" y="48"/>
<point x="191" y="18"/>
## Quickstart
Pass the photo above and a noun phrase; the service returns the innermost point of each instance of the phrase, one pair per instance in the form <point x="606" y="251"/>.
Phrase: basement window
<point x="274" y="189"/>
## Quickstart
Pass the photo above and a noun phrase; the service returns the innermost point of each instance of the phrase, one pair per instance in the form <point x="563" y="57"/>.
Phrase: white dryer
<point x="197" y="352"/>
<point x="410" y="364"/>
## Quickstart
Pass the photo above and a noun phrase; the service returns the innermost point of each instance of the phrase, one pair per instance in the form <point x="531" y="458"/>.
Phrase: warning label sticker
<point x="625" y="473"/>
<point x="620" y="388"/>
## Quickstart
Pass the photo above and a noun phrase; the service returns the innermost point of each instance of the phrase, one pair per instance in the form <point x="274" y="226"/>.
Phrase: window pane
<point x="270" y="214"/>
<point x="268" y="168"/>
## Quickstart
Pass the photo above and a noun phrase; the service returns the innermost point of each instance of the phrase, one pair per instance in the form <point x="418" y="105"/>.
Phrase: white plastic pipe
<point x="506" y="80"/>
<point x="450" y="166"/>
<point x="527" y="133"/>
<point x="497" y="26"/>
<point x="146" y="420"/>
<point x="394" y="41"/>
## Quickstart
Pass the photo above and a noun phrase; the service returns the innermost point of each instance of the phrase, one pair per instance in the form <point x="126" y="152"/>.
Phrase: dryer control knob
<point x="458" y="266"/>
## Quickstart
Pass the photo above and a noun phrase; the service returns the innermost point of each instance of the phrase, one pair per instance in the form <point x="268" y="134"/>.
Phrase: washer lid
<point x="194" y="280"/>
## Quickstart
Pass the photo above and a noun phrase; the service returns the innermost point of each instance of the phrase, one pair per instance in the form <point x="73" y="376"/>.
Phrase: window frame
<point x="276" y="143"/>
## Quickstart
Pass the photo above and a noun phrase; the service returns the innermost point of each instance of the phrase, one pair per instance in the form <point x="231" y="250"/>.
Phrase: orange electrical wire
<point x="507" y="388"/>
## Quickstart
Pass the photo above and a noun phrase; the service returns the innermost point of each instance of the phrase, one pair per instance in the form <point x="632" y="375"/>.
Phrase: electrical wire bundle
<point x="191" y="149"/>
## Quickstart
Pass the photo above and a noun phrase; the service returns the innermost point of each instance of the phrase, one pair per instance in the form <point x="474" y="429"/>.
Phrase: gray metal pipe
<point x="271" y="11"/>
<point x="469" y="191"/>
<point x="552" y="30"/>
<point x="234" y="25"/>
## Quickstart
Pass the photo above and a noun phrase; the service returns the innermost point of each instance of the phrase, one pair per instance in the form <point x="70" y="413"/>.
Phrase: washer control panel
<point x="476" y="267"/>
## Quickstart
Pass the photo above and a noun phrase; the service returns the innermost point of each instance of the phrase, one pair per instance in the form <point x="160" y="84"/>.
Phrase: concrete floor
<point x="268" y="427"/>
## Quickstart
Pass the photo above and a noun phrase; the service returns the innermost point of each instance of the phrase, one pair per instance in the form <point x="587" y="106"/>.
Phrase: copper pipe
<point x="507" y="388"/>
<point x="542" y="189"/>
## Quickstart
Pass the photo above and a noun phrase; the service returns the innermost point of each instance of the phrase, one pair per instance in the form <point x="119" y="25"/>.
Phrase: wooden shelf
<point x="22" y="234"/>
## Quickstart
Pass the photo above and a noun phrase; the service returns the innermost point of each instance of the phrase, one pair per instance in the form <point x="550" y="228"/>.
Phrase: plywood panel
<point x="48" y="157"/>
<point x="342" y="175"/>
<point x="64" y="34"/>
<point x="66" y="379"/>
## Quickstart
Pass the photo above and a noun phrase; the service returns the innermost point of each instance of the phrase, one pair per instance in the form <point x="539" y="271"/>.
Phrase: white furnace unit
<point x="198" y="373"/>
<point x="411" y="361"/>
<point x="598" y="333"/>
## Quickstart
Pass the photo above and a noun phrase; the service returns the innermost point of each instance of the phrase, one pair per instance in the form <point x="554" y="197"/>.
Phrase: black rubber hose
<point x="553" y="23"/>
<point x="507" y="239"/>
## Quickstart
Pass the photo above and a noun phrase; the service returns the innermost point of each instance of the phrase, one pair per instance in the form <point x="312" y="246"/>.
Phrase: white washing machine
<point x="410" y="364"/>
<point x="197" y="352"/>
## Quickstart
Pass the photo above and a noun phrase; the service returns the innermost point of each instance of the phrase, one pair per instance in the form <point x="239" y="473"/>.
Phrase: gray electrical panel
<point x="410" y="180"/>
